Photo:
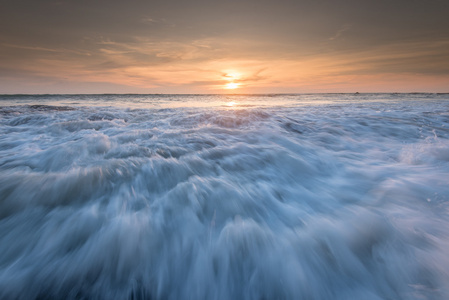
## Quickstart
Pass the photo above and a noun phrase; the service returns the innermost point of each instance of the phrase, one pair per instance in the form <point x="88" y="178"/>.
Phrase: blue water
<point x="320" y="196"/>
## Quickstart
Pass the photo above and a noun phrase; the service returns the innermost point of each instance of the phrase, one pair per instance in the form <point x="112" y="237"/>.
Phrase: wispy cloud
<point x="339" y="33"/>
<point x="57" y="50"/>
<point x="205" y="65"/>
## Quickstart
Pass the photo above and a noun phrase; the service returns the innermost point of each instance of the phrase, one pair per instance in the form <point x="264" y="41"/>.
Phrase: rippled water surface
<point x="329" y="196"/>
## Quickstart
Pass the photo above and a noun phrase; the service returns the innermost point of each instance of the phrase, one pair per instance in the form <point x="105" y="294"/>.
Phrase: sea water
<point x="331" y="196"/>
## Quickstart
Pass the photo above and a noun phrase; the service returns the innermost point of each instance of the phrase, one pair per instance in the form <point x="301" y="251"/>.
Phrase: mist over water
<point x="224" y="197"/>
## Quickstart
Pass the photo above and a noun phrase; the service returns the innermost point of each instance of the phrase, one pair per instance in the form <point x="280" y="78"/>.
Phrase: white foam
<point x="335" y="197"/>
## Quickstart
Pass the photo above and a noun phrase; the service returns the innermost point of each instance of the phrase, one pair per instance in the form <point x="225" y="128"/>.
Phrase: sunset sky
<point x="252" y="46"/>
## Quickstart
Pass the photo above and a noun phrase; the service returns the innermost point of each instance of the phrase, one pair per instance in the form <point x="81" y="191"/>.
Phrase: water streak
<point x="185" y="197"/>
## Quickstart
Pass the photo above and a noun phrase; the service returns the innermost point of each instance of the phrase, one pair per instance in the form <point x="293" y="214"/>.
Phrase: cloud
<point x="148" y="20"/>
<point x="344" y="28"/>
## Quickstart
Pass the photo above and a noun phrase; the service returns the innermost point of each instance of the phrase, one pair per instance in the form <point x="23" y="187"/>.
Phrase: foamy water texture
<point x="224" y="197"/>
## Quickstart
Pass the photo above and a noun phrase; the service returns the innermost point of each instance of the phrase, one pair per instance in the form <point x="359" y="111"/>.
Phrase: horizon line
<point x="216" y="94"/>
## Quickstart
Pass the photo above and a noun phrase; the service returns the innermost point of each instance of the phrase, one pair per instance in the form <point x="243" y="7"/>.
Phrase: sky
<point x="198" y="46"/>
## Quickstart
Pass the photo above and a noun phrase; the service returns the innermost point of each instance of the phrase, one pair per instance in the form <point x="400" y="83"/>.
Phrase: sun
<point x="232" y="85"/>
<point x="232" y="77"/>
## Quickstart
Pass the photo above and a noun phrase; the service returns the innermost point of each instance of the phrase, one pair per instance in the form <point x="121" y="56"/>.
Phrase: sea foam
<point x="224" y="197"/>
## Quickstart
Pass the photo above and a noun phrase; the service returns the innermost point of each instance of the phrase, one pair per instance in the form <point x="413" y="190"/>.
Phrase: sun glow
<point x="232" y="85"/>
<point x="231" y="76"/>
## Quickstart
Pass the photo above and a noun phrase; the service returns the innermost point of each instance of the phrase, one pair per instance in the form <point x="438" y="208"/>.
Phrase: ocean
<point x="302" y="196"/>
